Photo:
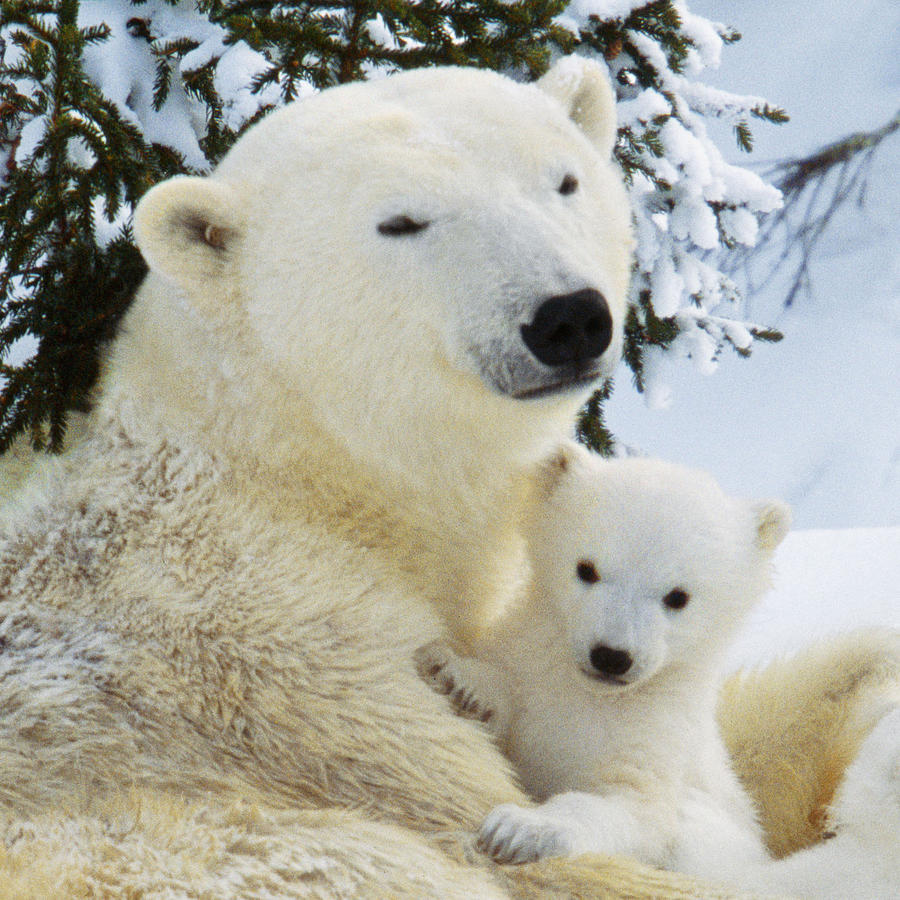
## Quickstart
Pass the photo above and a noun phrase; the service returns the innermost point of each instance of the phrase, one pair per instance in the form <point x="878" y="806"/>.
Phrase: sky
<point x="813" y="419"/>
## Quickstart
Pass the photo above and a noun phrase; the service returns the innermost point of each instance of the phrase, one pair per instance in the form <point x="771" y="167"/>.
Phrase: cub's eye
<point x="587" y="572"/>
<point x="568" y="185"/>
<point x="398" y="226"/>
<point x="677" y="599"/>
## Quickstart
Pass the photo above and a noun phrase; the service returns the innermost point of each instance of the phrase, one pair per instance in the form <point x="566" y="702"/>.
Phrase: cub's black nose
<point x="609" y="661"/>
<point x="570" y="328"/>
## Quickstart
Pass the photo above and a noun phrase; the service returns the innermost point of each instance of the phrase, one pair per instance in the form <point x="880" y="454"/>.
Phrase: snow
<point x="124" y="70"/>
<point x="740" y="225"/>
<point x="827" y="581"/>
<point x="20" y="351"/>
<point x="643" y="108"/>
<point x="707" y="50"/>
<point x="580" y="10"/>
<point x="30" y="137"/>
<point x="235" y="73"/>
<point x="697" y="201"/>
<point x="106" y="230"/>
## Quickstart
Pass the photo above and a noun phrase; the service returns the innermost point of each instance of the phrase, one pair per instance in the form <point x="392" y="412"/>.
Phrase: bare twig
<point x="814" y="188"/>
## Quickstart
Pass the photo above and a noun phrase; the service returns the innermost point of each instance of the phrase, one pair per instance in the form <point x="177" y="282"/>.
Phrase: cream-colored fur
<point x="306" y="432"/>
<point x="305" y="441"/>
<point x="793" y="727"/>
<point x="15" y="465"/>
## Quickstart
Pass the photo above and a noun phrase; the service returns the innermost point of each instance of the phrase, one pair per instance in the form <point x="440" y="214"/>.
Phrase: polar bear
<point x="601" y="683"/>
<point x="302" y="464"/>
<point x="353" y="334"/>
<point x="601" y="686"/>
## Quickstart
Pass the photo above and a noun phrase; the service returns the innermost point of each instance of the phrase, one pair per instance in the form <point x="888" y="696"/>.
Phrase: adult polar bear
<point x="300" y="468"/>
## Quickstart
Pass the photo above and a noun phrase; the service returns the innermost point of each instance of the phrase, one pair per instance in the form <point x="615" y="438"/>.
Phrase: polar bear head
<point x="444" y="245"/>
<point x="648" y="566"/>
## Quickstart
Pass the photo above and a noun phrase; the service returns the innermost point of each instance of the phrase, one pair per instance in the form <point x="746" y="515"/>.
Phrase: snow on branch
<point x="688" y="202"/>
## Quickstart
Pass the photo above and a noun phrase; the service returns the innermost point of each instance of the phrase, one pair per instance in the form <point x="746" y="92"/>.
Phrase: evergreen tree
<point x="100" y="101"/>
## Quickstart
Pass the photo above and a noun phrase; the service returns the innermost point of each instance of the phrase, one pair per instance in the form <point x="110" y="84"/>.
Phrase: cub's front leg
<point x="577" y="822"/>
<point x="475" y="688"/>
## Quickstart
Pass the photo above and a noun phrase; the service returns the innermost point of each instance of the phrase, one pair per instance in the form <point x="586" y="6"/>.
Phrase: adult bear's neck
<point x="451" y="535"/>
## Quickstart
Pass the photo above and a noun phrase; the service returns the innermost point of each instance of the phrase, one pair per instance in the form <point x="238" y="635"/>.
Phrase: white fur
<point x="634" y="763"/>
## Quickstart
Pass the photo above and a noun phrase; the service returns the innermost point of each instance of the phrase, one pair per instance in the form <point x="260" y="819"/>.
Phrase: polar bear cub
<point x="601" y="684"/>
<point x="601" y="687"/>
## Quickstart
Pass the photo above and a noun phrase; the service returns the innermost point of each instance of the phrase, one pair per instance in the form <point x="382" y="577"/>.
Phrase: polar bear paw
<point x="514" y="834"/>
<point x="457" y="677"/>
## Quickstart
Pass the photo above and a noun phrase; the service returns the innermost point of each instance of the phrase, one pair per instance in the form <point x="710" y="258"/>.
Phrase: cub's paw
<point x="514" y="834"/>
<point x="447" y="673"/>
<point x="434" y="663"/>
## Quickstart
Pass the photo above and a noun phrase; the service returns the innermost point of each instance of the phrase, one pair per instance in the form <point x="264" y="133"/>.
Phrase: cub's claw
<point x="440" y="667"/>
<point x="514" y="834"/>
<point x="433" y="665"/>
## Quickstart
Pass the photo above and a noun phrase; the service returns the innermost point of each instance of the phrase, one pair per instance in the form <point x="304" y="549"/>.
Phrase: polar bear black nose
<point x="570" y="328"/>
<point x="609" y="661"/>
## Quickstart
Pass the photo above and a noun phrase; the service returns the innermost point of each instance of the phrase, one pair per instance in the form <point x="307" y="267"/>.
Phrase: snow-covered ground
<point x="814" y="419"/>
<point x="826" y="581"/>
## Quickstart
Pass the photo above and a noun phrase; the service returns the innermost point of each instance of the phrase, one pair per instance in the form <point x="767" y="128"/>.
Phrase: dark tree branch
<point x="814" y="188"/>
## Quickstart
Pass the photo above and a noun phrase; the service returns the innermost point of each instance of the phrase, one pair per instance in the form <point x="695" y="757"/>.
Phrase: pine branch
<point x="590" y="426"/>
<point x="796" y="174"/>
<point x="58" y="285"/>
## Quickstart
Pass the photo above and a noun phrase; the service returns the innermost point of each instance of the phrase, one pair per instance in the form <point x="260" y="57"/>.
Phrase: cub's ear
<point x="583" y="88"/>
<point x="773" y="521"/>
<point x="551" y="470"/>
<point x="187" y="229"/>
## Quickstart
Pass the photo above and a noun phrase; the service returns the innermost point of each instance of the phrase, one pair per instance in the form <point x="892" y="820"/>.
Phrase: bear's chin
<point x="614" y="684"/>
<point x="558" y="387"/>
<point x="564" y="380"/>
<point x="610" y="681"/>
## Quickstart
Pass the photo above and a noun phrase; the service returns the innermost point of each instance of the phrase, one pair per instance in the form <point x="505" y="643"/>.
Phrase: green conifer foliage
<point x="80" y="142"/>
<point x="324" y="44"/>
<point x="59" y="283"/>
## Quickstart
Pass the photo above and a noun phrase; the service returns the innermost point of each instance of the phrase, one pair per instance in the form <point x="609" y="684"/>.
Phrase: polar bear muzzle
<point x="563" y="346"/>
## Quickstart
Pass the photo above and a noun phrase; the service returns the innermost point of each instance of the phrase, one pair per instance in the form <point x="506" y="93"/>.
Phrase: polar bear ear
<point x="186" y="229"/>
<point x="583" y="88"/>
<point x="773" y="521"/>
